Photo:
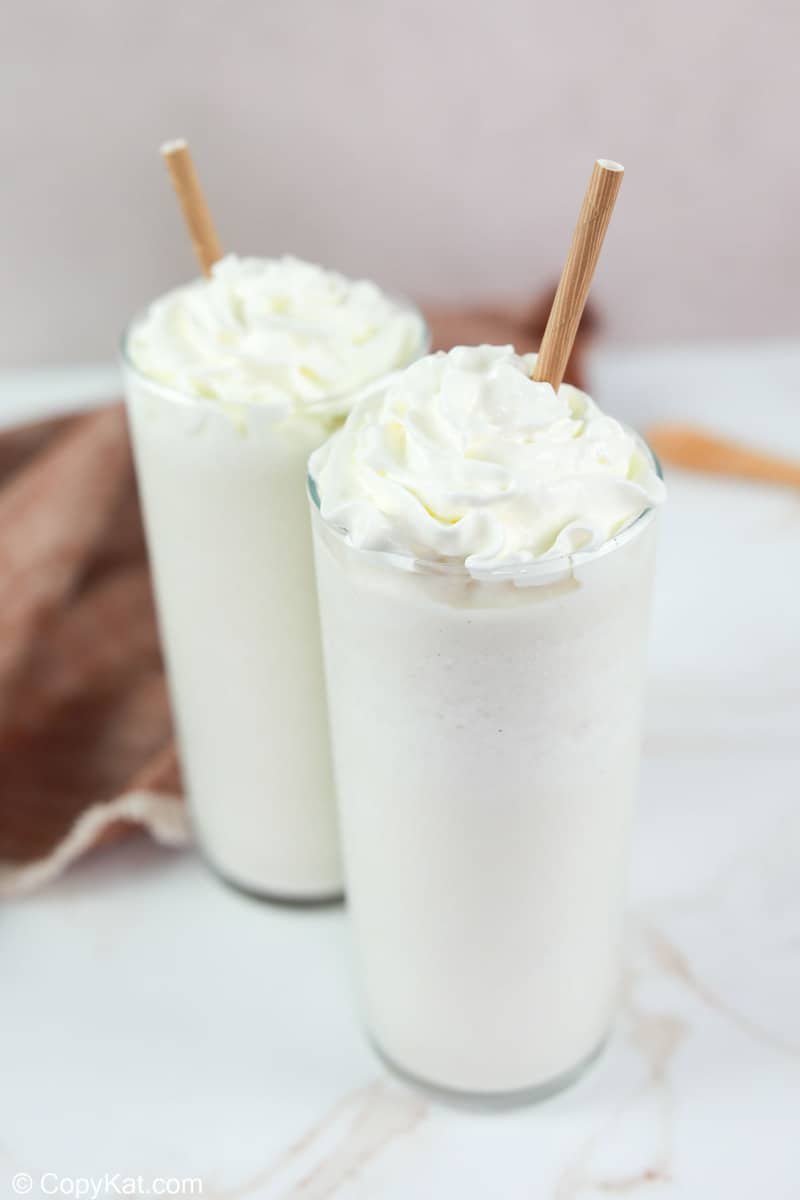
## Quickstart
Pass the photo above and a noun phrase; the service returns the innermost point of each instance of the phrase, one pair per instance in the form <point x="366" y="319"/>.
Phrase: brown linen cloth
<point x="86" y="744"/>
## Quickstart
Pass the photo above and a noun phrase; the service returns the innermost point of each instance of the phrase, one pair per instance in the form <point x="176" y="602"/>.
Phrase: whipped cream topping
<point x="464" y="458"/>
<point x="280" y="333"/>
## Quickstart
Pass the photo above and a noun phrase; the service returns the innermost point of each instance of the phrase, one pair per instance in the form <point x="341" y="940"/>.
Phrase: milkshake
<point x="484" y="553"/>
<point x="231" y="382"/>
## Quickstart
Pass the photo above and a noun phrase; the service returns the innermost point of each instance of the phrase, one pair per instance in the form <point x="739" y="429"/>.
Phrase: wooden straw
<point x="192" y="201"/>
<point x="576" y="278"/>
<point x="685" y="446"/>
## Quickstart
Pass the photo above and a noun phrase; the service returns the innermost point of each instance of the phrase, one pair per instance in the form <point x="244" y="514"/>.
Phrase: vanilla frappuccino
<point x="484" y="552"/>
<point x="231" y="382"/>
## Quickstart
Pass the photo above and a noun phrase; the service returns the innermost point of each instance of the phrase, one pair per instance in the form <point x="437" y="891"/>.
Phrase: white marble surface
<point x="155" y="1024"/>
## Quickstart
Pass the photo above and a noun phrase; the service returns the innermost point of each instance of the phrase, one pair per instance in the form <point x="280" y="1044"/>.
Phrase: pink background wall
<point x="441" y="147"/>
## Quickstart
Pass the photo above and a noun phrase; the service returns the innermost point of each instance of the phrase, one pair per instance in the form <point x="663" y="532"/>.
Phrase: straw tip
<point x="608" y="164"/>
<point x="173" y="146"/>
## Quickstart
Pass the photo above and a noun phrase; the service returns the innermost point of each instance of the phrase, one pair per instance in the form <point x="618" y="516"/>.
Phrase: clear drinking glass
<point x="226" y="517"/>
<point x="485" y="736"/>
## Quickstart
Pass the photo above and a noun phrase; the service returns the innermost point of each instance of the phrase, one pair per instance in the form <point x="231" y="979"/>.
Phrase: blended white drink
<point x="484" y="552"/>
<point x="231" y="382"/>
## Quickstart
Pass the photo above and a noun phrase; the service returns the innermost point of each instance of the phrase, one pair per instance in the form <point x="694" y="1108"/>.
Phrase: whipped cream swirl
<point x="280" y="333"/>
<point x="464" y="458"/>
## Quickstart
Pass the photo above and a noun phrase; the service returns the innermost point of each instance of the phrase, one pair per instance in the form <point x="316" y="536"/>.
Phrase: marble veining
<point x="673" y="961"/>
<point x="334" y="1149"/>
<point x="657" y="1037"/>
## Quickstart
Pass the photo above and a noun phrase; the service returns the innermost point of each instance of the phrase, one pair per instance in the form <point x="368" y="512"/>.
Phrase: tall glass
<point x="486" y="744"/>
<point x="223" y="496"/>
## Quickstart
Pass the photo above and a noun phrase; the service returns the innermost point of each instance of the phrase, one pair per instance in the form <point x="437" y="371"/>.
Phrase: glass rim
<point x="520" y="573"/>
<point x="320" y="407"/>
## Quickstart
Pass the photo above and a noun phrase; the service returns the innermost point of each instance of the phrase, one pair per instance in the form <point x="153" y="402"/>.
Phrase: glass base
<point x="492" y="1101"/>
<point x="284" y="899"/>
